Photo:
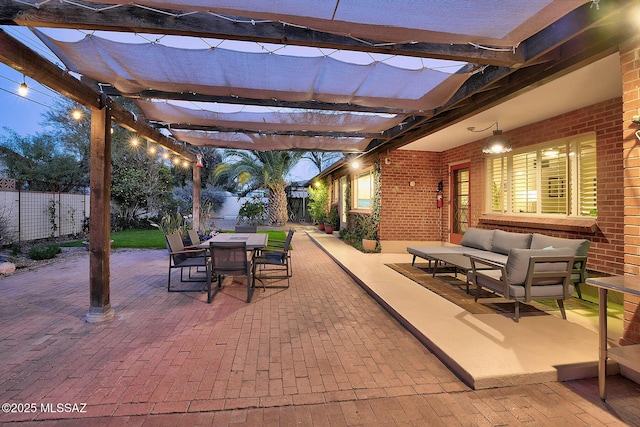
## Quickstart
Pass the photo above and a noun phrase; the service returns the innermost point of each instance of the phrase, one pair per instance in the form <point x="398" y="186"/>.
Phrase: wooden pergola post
<point x="100" y="217"/>
<point x="196" y="197"/>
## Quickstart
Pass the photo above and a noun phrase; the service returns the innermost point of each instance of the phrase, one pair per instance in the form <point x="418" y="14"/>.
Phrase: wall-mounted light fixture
<point x="636" y="120"/>
<point x="352" y="160"/>
<point x="496" y="143"/>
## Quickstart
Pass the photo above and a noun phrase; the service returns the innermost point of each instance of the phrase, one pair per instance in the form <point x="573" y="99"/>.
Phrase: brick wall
<point x="409" y="213"/>
<point x="630" y="67"/>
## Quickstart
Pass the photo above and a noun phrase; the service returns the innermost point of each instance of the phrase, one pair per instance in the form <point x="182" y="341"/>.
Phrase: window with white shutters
<point x="555" y="178"/>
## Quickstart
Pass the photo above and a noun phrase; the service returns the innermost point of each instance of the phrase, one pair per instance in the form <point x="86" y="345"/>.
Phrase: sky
<point x="23" y="114"/>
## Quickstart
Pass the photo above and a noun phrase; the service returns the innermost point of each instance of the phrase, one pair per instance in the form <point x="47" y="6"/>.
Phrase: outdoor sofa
<point x="494" y="245"/>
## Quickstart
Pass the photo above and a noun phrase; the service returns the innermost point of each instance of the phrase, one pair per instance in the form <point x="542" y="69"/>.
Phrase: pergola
<point x="326" y="75"/>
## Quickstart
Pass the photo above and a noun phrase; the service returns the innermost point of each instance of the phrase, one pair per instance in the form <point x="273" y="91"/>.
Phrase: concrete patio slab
<point x="485" y="350"/>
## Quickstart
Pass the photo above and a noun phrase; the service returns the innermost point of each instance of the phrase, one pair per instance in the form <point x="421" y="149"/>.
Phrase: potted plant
<point x="368" y="230"/>
<point x="319" y="218"/>
<point x="332" y="222"/>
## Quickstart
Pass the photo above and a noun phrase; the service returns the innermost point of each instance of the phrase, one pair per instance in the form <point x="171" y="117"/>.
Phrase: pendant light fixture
<point x="496" y="143"/>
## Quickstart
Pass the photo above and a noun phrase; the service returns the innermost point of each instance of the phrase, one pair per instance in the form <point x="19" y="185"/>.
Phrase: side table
<point x="628" y="356"/>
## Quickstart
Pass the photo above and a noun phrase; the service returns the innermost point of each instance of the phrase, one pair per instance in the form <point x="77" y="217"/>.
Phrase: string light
<point x="23" y="89"/>
<point x="135" y="141"/>
<point x="165" y="155"/>
<point x="152" y="149"/>
<point x="76" y="114"/>
<point x="185" y="164"/>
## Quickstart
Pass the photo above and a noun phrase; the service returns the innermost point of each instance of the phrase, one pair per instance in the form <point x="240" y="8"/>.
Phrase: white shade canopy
<point x="319" y="121"/>
<point x="493" y="22"/>
<point x="243" y="141"/>
<point x="132" y="68"/>
<point x="329" y="74"/>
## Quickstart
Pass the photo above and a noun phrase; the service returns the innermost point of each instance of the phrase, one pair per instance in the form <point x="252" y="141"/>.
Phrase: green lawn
<point x="153" y="239"/>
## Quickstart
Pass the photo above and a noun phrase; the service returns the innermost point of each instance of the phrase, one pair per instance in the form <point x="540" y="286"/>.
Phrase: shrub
<point x="318" y="199"/>
<point x="252" y="211"/>
<point x="169" y="223"/>
<point x="44" y="252"/>
<point x="334" y="218"/>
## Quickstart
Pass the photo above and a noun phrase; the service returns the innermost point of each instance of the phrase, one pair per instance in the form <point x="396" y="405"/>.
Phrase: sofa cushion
<point x="580" y="246"/>
<point x="477" y="238"/>
<point x="518" y="264"/>
<point x="504" y="241"/>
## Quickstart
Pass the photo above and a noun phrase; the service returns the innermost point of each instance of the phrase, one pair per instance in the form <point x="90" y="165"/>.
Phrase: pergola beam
<point x="308" y="133"/>
<point x="302" y="105"/>
<point x="141" y="20"/>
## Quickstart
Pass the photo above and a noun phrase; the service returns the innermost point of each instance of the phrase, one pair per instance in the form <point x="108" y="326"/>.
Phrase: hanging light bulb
<point x="165" y="155"/>
<point x="76" y="114"/>
<point x="135" y="141"/>
<point x="23" y="89"/>
<point x="496" y="143"/>
<point x="152" y="149"/>
<point x="185" y="164"/>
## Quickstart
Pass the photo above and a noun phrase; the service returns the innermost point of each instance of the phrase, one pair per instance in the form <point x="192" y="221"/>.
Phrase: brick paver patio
<point x="321" y="353"/>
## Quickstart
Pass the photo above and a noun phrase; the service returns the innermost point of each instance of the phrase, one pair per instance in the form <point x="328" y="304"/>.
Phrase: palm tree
<point x="260" y="169"/>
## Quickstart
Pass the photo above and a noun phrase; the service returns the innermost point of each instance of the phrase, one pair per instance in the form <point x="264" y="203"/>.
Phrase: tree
<point x="139" y="181"/>
<point x="323" y="159"/>
<point x="36" y="160"/>
<point x="73" y="133"/>
<point x="262" y="169"/>
<point x="212" y="197"/>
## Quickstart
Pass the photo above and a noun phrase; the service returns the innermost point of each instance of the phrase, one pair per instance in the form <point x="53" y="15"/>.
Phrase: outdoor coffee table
<point x="456" y="263"/>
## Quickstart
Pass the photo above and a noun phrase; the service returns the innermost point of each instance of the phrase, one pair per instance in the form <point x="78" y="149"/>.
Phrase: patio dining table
<point x="254" y="240"/>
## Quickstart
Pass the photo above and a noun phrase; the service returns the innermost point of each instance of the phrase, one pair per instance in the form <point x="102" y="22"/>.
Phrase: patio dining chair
<point x="228" y="259"/>
<point x="181" y="257"/>
<point x="193" y="238"/>
<point x="246" y="228"/>
<point x="274" y="262"/>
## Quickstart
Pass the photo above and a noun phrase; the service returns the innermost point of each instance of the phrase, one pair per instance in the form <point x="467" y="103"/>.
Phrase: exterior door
<point x="460" y="209"/>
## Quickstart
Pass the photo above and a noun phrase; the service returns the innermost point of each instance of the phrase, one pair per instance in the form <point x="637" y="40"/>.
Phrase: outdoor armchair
<point x="181" y="257"/>
<point x="529" y="274"/>
<point x="228" y="259"/>
<point x="274" y="262"/>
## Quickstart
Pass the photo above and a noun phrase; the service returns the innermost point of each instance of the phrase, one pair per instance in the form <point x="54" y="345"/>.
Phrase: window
<point x="552" y="178"/>
<point x="363" y="190"/>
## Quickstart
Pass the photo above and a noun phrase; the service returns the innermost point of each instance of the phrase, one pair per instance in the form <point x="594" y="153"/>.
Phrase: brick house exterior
<point x="409" y="181"/>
